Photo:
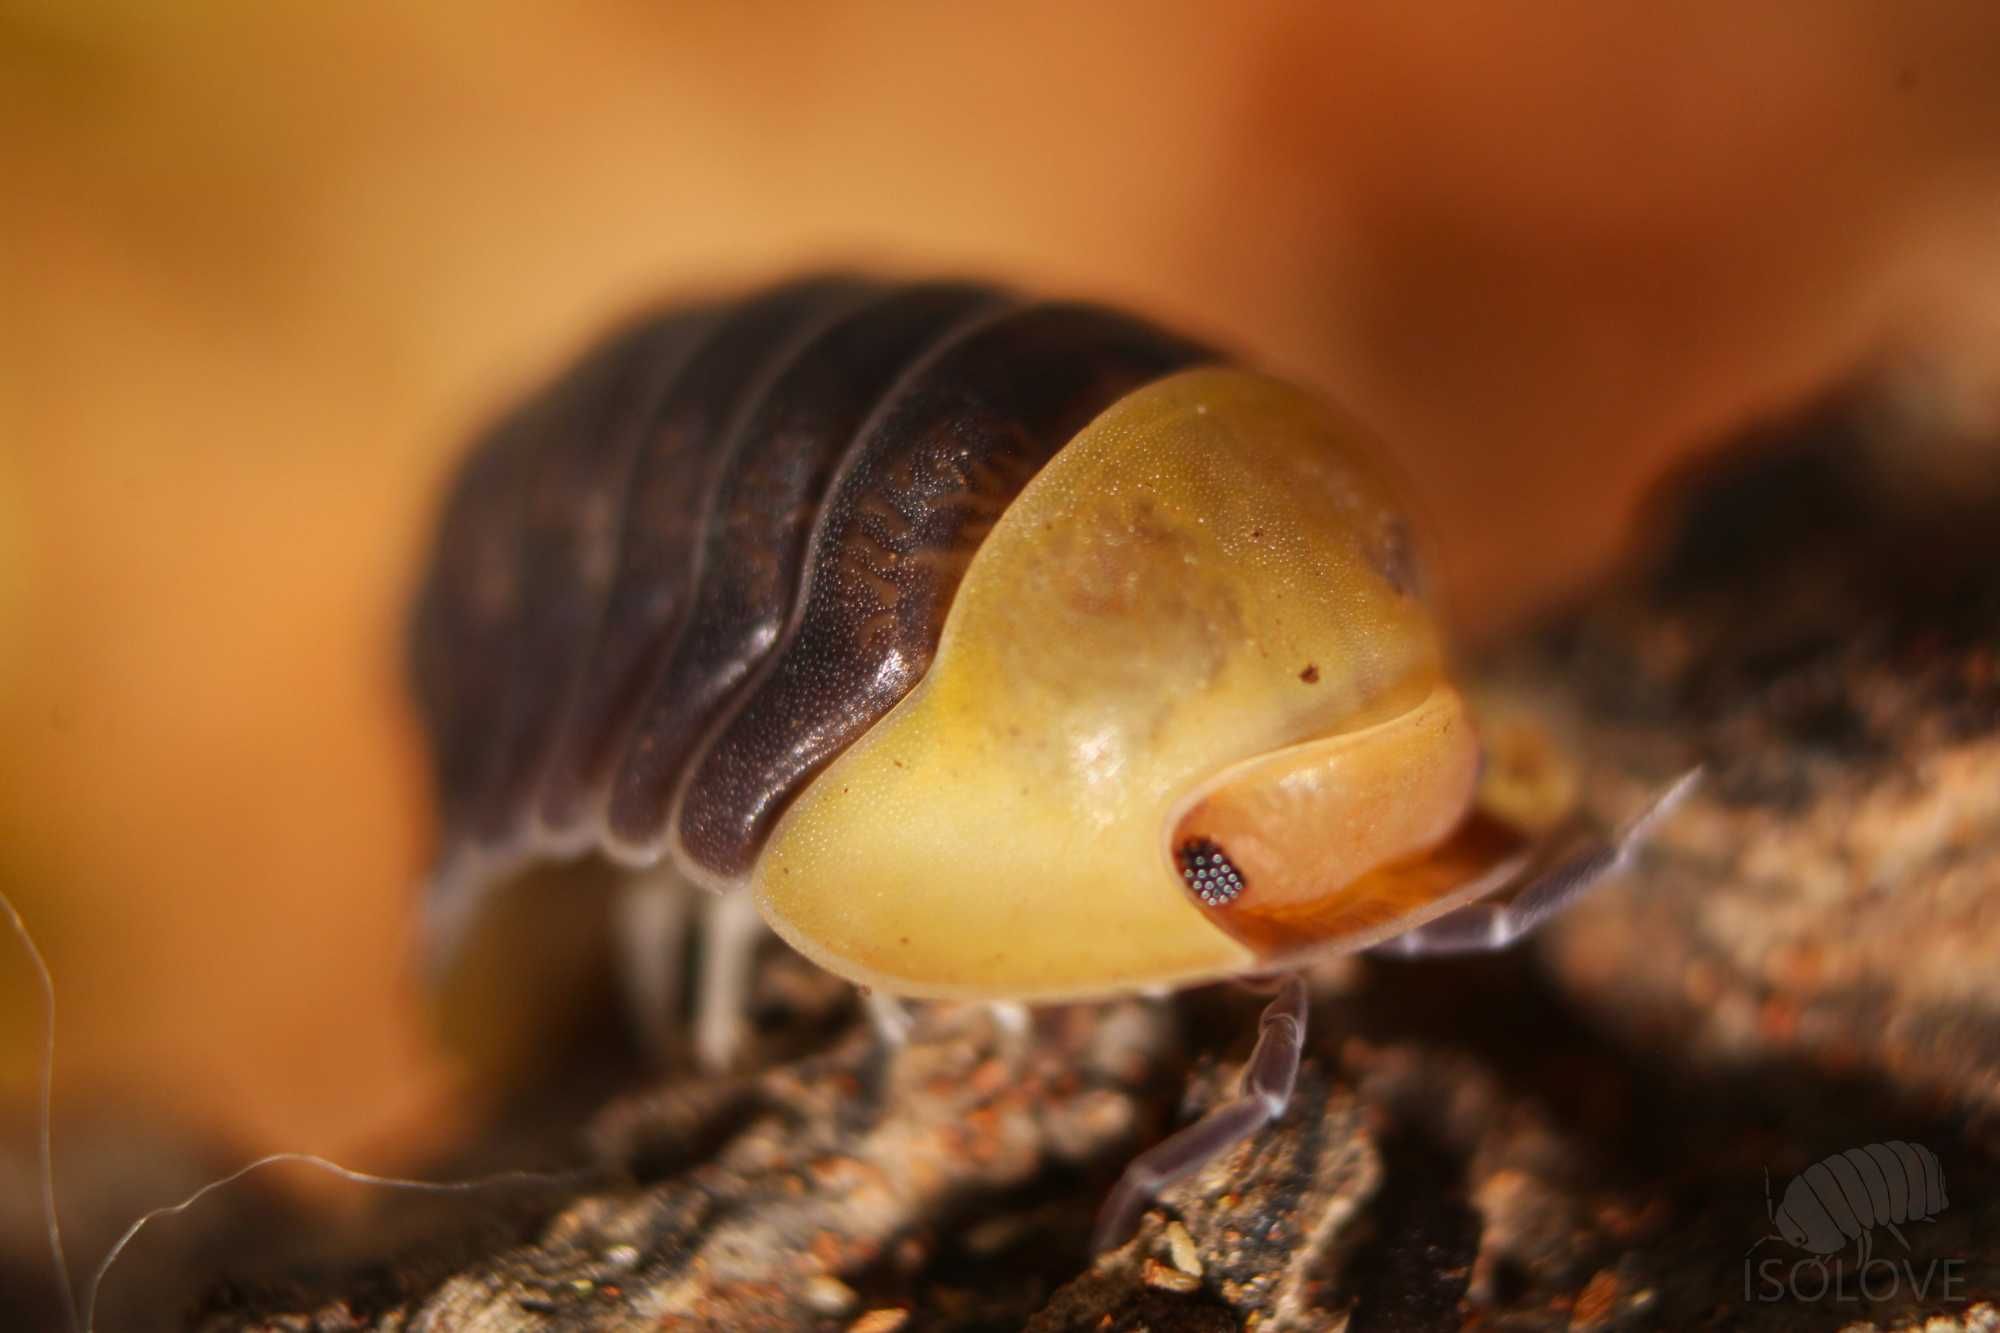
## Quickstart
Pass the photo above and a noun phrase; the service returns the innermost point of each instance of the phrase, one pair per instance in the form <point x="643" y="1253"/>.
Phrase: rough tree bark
<point x="1575" y="1137"/>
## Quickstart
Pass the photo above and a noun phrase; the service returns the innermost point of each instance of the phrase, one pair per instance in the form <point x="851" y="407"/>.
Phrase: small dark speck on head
<point x="1209" y="871"/>
<point x="1311" y="674"/>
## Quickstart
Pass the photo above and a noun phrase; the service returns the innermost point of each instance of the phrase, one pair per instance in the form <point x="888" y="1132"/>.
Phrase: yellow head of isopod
<point x="1189" y="717"/>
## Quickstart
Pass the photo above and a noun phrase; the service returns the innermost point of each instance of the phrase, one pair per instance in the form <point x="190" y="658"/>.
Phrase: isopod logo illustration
<point x="1846" y="1196"/>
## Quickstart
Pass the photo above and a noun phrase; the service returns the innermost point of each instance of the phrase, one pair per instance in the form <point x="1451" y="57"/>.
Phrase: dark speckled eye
<point x="1209" y="871"/>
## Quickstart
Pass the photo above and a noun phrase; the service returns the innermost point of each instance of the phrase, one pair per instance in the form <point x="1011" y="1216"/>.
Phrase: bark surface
<point x="1575" y="1136"/>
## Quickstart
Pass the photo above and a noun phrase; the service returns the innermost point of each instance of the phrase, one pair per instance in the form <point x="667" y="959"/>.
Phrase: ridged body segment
<point x="677" y="581"/>
<point x="922" y="486"/>
<point x="525" y="551"/>
<point x="765" y="508"/>
<point x="667" y="507"/>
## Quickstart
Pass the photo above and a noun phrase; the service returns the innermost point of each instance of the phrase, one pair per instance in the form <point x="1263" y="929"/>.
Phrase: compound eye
<point x="1289" y="849"/>
<point x="1209" y="872"/>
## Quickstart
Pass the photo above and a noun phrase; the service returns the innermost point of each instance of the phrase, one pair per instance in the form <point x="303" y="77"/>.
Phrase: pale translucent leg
<point x="1015" y="1026"/>
<point x="1482" y="927"/>
<point x="731" y="931"/>
<point x="893" y="1022"/>
<point x="649" y="932"/>
<point x="889" y="1017"/>
<point x="1266" y="1090"/>
<point x="1010" y="1017"/>
<point x="450" y="905"/>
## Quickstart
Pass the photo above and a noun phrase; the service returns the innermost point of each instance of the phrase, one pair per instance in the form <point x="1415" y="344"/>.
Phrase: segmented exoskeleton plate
<point x="674" y="583"/>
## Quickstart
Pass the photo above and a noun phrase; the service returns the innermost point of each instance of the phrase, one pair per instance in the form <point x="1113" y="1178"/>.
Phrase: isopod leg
<point x="1014" y="1025"/>
<point x="1011" y="1017"/>
<point x="450" y="906"/>
<point x="649" y="931"/>
<point x="889" y="1017"/>
<point x="1267" y="1089"/>
<point x="1482" y="927"/>
<point x="731" y="931"/>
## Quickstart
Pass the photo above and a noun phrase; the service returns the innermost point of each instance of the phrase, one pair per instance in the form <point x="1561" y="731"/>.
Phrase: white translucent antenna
<point x="85" y="1319"/>
<point x="44" y="1146"/>
<point x="331" y="1168"/>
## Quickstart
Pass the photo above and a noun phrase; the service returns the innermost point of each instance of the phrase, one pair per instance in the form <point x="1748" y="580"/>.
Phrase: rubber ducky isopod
<point x="985" y="648"/>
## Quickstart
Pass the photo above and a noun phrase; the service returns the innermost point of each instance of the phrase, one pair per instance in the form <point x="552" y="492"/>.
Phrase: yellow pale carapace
<point x="1201" y="623"/>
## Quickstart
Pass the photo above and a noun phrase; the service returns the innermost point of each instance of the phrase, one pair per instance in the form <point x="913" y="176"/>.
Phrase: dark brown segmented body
<point x="671" y="586"/>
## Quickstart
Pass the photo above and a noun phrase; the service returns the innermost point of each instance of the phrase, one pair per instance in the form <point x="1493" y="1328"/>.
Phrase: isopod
<point x="1844" y="1197"/>
<point x="992" y="648"/>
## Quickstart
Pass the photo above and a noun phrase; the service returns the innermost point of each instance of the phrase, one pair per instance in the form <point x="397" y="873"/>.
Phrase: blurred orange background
<point x="262" y="266"/>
